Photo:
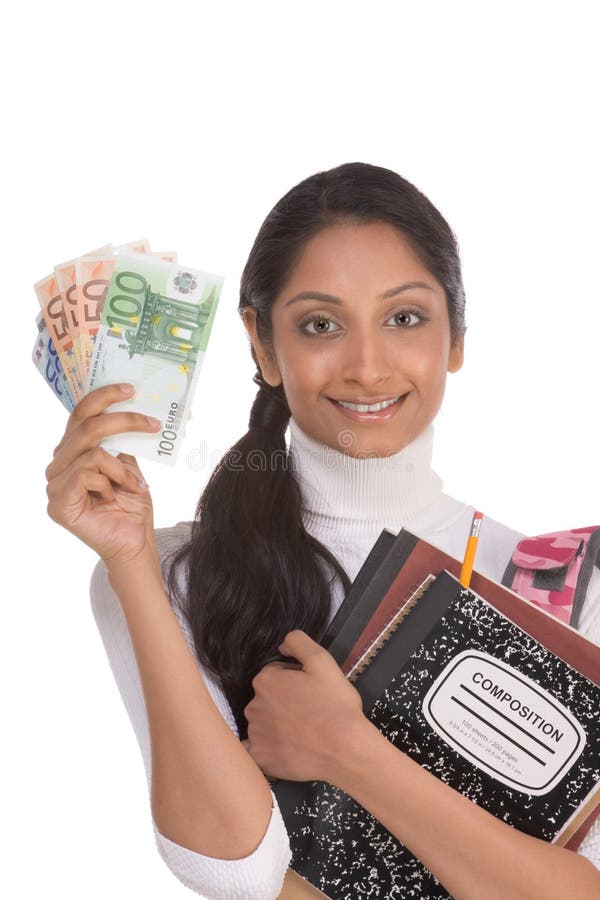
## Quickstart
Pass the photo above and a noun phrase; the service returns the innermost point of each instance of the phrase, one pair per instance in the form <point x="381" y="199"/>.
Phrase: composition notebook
<point x="482" y="688"/>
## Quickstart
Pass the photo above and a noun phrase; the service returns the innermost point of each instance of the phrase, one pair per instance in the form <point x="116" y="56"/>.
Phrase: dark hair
<point x="253" y="571"/>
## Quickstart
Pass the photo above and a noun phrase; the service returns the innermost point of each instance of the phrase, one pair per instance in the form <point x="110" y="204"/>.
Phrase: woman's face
<point x="350" y="324"/>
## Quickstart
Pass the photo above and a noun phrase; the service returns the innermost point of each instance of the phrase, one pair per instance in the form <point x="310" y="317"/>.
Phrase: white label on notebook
<point x="503" y="722"/>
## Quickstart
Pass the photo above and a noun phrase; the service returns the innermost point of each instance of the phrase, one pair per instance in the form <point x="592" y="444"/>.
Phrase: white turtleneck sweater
<point x="347" y="503"/>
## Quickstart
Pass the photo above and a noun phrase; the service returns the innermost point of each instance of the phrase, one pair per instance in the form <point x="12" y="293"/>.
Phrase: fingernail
<point x="127" y="388"/>
<point x="143" y="484"/>
<point x="152" y="421"/>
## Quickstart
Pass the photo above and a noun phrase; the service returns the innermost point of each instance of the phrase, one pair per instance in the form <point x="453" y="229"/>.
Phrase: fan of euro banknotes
<point x="127" y="314"/>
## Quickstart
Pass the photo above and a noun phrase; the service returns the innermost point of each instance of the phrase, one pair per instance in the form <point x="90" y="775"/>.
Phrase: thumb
<point x="298" y="644"/>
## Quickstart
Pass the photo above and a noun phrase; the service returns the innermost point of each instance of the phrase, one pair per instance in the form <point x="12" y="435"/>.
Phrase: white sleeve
<point x="258" y="876"/>
<point x="589" y="625"/>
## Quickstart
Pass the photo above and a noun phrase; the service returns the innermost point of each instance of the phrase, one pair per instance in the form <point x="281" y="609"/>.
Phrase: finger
<point x="92" y="431"/>
<point x="96" y="402"/>
<point x="264" y="672"/>
<point x="132" y="463"/>
<point x="100" y="484"/>
<point x="127" y="458"/>
<point x="276" y="664"/>
<point x="288" y="663"/>
<point x="129" y="461"/>
<point x="97" y="460"/>
<point x="66" y="504"/>
<point x="298" y="644"/>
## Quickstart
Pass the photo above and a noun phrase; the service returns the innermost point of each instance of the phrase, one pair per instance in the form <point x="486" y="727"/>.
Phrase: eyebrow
<point x="337" y="301"/>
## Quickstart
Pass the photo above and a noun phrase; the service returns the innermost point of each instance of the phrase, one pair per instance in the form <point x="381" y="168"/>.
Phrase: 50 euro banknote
<point x="153" y="332"/>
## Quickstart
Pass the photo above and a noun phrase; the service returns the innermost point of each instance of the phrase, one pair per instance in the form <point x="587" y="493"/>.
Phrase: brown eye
<point x="322" y="325"/>
<point x="404" y="317"/>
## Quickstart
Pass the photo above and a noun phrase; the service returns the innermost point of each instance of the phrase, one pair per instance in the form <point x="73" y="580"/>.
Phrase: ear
<point x="457" y="355"/>
<point x="268" y="364"/>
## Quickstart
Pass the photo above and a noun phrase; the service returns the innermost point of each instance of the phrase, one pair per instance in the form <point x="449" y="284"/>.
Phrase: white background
<point x="185" y="122"/>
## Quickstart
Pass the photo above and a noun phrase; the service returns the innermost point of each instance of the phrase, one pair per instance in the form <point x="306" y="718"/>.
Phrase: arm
<point x="471" y="852"/>
<point x="206" y="848"/>
<point x="208" y="797"/>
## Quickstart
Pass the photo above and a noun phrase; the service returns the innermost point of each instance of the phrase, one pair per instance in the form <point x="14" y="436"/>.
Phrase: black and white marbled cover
<point x="343" y="850"/>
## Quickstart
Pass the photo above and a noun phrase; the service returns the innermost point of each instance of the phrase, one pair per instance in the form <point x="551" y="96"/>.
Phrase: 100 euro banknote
<point x="153" y="332"/>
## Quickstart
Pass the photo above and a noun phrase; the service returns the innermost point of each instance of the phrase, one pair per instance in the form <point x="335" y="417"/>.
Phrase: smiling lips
<point x="364" y="406"/>
<point x="373" y="412"/>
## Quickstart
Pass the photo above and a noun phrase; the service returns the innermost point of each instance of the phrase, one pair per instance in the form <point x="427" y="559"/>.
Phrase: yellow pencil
<point x="467" y="566"/>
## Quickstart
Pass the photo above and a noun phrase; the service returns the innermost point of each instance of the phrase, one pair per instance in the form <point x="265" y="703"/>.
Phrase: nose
<point x="367" y="361"/>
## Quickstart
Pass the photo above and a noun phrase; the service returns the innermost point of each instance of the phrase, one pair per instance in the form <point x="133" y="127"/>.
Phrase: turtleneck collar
<point x="390" y="491"/>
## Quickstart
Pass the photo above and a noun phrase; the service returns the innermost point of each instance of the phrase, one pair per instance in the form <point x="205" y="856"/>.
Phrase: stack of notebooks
<point x="485" y="690"/>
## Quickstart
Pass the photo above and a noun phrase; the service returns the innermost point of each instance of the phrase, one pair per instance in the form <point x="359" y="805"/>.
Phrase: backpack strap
<point x="553" y="570"/>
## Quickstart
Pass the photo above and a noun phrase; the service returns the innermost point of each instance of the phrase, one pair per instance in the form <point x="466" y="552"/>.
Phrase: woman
<point x="352" y="296"/>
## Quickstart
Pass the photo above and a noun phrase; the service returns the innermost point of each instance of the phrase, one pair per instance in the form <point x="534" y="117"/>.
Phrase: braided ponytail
<point x="253" y="571"/>
<point x="270" y="411"/>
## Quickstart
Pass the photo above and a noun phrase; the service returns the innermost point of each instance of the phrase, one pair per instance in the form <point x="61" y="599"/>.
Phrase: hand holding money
<point x="100" y="498"/>
<point x="127" y="315"/>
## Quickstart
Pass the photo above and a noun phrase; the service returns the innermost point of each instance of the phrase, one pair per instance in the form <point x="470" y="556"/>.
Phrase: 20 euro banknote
<point x="154" y="329"/>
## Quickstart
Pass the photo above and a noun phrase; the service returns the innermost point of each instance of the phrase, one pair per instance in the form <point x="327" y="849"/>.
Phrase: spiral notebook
<point x="482" y="688"/>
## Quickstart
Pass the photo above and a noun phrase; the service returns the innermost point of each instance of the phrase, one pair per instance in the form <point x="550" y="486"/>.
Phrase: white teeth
<point x="363" y="407"/>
